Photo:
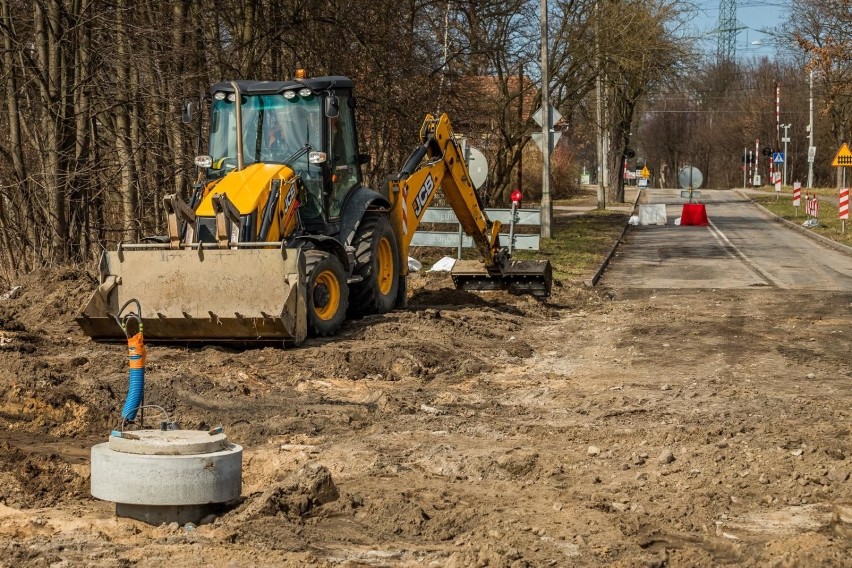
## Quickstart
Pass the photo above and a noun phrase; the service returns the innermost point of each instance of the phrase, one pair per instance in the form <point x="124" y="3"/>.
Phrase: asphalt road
<point x="741" y="248"/>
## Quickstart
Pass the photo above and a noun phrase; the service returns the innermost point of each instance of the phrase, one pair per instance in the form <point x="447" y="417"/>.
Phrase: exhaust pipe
<point x="238" y="101"/>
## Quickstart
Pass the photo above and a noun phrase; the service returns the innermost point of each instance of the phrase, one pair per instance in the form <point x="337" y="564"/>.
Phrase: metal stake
<point x="512" y="227"/>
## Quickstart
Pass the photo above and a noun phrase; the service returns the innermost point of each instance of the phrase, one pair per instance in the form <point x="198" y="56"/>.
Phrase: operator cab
<point x="306" y="124"/>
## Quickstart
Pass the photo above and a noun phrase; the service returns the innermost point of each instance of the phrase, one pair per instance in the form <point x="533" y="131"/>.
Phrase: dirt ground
<point x="602" y="428"/>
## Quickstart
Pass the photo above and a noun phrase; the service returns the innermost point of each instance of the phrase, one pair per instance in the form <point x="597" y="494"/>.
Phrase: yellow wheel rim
<point x="326" y="295"/>
<point x="384" y="266"/>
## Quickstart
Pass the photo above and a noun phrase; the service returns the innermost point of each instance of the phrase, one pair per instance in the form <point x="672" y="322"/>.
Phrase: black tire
<point x="328" y="294"/>
<point x="377" y="263"/>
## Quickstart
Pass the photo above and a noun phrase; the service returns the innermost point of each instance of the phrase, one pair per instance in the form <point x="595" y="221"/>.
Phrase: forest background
<point x="91" y="139"/>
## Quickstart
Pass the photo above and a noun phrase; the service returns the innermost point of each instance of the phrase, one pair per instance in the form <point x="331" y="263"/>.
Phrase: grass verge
<point x="829" y="225"/>
<point x="579" y="244"/>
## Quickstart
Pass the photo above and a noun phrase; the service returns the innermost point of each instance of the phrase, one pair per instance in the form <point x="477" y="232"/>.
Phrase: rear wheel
<point x="377" y="263"/>
<point x="328" y="294"/>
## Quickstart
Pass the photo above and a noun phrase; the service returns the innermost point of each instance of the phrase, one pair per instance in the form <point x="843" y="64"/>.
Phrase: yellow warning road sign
<point x="646" y="173"/>
<point x="843" y="157"/>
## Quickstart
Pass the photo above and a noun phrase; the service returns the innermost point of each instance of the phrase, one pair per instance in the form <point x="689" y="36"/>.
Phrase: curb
<point x="808" y="233"/>
<point x="596" y="278"/>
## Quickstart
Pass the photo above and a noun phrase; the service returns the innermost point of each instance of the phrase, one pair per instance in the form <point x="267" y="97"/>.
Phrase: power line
<point x="772" y="112"/>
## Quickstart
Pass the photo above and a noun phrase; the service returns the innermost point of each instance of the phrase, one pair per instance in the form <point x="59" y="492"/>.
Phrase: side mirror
<point x="364" y="159"/>
<point x="186" y="112"/>
<point x="332" y="109"/>
<point x="204" y="161"/>
<point x="317" y="157"/>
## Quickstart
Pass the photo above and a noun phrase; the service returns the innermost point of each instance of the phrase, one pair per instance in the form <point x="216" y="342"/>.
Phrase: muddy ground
<point x="604" y="427"/>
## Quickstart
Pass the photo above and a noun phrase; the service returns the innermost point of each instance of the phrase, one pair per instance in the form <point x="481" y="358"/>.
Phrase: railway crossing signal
<point x="843" y="158"/>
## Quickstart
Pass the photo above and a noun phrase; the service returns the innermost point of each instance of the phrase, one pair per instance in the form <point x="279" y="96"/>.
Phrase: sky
<point x="754" y="15"/>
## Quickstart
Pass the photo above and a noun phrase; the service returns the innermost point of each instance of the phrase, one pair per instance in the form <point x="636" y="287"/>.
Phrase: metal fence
<point x="458" y="240"/>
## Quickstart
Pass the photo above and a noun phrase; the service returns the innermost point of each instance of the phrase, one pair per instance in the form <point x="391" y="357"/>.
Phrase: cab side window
<point x="343" y="158"/>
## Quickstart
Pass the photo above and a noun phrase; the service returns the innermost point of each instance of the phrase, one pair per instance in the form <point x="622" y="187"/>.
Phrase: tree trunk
<point x="176" y="139"/>
<point x="16" y="257"/>
<point x="79" y="239"/>
<point x="52" y="70"/>
<point x="127" y="187"/>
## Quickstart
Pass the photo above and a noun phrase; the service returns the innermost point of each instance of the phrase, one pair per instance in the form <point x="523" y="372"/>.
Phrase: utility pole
<point x="546" y="203"/>
<point x="811" y="134"/>
<point x="786" y="157"/>
<point x="605" y="131"/>
<point x="444" y="63"/>
<point x="599" y="137"/>
<point x="521" y="121"/>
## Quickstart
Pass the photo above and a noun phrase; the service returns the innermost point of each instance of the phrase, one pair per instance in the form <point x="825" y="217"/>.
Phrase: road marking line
<point x="737" y="253"/>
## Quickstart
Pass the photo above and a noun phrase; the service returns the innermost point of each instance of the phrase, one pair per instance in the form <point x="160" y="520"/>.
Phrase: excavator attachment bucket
<point x="201" y="294"/>
<point x="516" y="276"/>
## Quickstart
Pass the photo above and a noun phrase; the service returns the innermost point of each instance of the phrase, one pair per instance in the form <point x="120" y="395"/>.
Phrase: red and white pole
<point x="812" y="205"/>
<point x="777" y="113"/>
<point x="756" y="160"/>
<point x="777" y="130"/>
<point x="843" y="208"/>
<point x="797" y="196"/>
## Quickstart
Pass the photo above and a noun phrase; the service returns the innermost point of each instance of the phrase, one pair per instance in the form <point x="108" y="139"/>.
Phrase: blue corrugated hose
<point x="134" y="391"/>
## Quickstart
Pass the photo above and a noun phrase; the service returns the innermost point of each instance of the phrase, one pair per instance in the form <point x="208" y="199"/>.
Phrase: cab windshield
<point x="274" y="128"/>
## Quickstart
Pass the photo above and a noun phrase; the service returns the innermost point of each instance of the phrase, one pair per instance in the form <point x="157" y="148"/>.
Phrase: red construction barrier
<point x="811" y="205"/>
<point x="694" y="214"/>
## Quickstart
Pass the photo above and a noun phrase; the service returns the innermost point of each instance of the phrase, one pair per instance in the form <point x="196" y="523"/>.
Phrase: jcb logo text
<point x="423" y="196"/>
<point x="291" y="196"/>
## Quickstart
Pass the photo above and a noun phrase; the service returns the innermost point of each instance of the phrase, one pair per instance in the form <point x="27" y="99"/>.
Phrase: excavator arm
<point x="438" y="163"/>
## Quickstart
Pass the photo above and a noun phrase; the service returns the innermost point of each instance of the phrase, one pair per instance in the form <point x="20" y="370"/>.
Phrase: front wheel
<point x="328" y="294"/>
<point x="377" y="263"/>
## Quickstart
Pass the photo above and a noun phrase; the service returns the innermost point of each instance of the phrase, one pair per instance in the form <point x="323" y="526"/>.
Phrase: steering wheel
<point x="277" y="151"/>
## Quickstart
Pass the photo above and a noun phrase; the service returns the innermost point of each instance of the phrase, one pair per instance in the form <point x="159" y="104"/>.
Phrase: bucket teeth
<point x="516" y="277"/>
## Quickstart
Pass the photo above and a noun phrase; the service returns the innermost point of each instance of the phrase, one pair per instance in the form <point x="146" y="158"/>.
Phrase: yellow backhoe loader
<point x="281" y="239"/>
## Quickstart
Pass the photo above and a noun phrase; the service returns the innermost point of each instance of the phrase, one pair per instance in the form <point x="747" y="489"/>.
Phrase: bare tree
<point x="635" y="63"/>
<point x="824" y="30"/>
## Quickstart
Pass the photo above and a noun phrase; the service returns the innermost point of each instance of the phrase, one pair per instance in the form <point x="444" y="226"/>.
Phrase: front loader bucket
<point x="200" y="294"/>
<point x="516" y="276"/>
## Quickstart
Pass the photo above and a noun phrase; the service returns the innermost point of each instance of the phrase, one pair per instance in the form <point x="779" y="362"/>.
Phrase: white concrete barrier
<point x="652" y="214"/>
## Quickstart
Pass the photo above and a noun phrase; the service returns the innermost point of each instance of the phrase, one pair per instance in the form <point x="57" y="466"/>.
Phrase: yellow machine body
<point x="249" y="190"/>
